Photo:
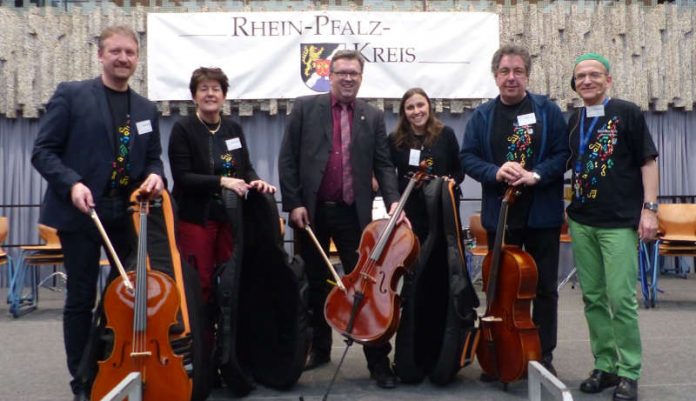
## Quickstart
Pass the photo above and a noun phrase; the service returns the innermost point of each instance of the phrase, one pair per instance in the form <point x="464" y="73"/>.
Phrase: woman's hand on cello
<point x="262" y="186"/>
<point x="235" y="184"/>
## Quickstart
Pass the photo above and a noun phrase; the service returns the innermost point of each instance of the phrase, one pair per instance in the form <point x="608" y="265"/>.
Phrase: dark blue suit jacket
<point x="76" y="143"/>
<point x="477" y="160"/>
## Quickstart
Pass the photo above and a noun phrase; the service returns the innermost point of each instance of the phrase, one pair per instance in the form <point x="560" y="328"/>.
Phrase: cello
<point x="141" y="320"/>
<point x="367" y="310"/>
<point x="509" y="338"/>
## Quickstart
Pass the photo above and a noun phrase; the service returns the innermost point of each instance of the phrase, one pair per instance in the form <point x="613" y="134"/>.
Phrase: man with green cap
<point x="615" y="184"/>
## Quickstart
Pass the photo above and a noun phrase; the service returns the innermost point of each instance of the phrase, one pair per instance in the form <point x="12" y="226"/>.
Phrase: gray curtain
<point x="674" y="135"/>
<point x="21" y="187"/>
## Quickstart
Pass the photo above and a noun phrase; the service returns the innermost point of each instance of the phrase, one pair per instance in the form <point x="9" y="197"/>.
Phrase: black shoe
<point x="383" y="375"/>
<point x="598" y="381"/>
<point x="216" y="379"/>
<point x="81" y="396"/>
<point x="549" y="366"/>
<point x="317" y="359"/>
<point x="626" y="390"/>
<point x="486" y="378"/>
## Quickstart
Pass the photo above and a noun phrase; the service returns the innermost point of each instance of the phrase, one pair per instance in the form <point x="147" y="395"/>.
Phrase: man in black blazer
<point x="333" y="145"/>
<point x="97" y="140"/>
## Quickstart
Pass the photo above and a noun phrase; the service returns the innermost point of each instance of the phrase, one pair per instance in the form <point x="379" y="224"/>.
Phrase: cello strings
<point x="140" y="304"/>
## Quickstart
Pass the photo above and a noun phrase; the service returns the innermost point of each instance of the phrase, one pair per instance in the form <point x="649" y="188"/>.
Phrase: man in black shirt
<point x="615" y="183"/>
<point x="97" y="139"/>
<point x="519" y="139"/>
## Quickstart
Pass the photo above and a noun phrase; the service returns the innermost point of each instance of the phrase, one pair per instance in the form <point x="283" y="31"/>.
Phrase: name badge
<point x="143" y="127"/>
<point x="233" y="144"/>
<point x="526" y="119"/>
<point x="414" y="157"/>
<point x="595" y="111"/>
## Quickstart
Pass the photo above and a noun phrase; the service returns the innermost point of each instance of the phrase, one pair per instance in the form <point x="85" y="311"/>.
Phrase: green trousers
<point x="606" y="260"/>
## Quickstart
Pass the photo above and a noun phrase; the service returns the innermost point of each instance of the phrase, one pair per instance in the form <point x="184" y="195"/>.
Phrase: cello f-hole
<point x="382" y="281"/>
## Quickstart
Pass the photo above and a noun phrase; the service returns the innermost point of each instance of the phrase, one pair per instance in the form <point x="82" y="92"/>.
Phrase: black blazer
<point x="305" y="152"/>
<point x="76" y="143"/>
<point x="195" y="182"/>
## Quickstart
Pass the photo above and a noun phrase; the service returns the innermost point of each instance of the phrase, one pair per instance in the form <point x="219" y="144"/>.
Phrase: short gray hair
<point x="512" y="50"/>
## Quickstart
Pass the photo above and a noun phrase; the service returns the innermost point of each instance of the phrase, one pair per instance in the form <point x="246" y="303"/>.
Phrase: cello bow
<point x="110" y="249"/>
<point x="333" y="271"/>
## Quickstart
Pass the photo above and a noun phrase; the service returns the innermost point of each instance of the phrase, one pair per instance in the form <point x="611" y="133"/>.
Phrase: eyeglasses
<point x="593" y="76"/>
<point x="517" y="72"/>
<point x="347" y="74"/>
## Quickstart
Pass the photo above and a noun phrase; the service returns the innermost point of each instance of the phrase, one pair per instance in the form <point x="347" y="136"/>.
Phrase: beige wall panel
<point x="652" y="50"/>
<point x="684" y="70"/>
<point x="9" y="32"/>
<point x="653" y="21"/>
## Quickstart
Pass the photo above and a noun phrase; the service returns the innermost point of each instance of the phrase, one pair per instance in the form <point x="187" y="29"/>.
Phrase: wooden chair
<point x="480" y="235"/>
<point x="565" y="233"/>
<point x="35" y="256"/>
<point x="480" y="248"/>
<point x="676" y="237"/>
<point x="677" y="229"/>
<point x="5" y="258"/>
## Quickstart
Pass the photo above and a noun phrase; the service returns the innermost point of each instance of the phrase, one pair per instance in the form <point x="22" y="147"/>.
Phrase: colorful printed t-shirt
<point x="442" y="159"/>
<point x="119" y="105"/>
<point x="607" y="179"/>
<point x="224" y="164"/>
<point x="511" y="141"/>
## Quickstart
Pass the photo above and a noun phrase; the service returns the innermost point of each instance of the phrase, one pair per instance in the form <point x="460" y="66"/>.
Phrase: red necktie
<point x="347" y="176"/>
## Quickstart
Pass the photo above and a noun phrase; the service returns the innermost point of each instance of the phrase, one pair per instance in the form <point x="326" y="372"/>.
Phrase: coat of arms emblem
<point x="315" y="62"/>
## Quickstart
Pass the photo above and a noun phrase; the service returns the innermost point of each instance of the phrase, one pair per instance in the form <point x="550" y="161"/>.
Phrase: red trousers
<point x="203" y="247"/>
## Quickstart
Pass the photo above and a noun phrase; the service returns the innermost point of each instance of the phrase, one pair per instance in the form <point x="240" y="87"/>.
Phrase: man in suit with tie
<point x="333" y="145"/>
<point x="97" y="140"/>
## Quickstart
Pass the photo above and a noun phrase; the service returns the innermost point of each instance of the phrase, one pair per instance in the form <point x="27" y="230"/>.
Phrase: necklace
<point x="212" y="131"/>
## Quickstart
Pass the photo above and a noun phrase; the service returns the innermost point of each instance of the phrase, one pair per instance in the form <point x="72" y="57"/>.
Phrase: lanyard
<point x="585" y="135"/>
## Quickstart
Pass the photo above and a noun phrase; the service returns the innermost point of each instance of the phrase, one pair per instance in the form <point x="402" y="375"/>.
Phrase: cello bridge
<point x="490" y="319"/>
<point x="142" y="353"/>
<point x="367" y="277"/>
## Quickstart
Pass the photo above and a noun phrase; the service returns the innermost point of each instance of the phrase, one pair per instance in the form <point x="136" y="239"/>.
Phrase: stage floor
<point x="32" y="360"/>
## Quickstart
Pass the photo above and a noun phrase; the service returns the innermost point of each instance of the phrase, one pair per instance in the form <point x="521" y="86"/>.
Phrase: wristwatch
<point x="536" y="176"/>
<point x="652" y="206"/>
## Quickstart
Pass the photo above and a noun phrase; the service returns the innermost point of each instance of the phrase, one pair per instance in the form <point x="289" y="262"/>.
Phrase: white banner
<point x="279" y="55"/>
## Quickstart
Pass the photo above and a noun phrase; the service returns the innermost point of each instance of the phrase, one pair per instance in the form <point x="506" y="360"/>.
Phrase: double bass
<point x="141" y="319"/>
<point x="509" y="339"/>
